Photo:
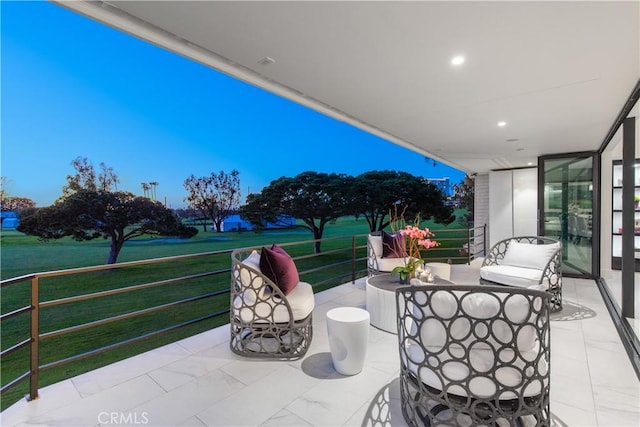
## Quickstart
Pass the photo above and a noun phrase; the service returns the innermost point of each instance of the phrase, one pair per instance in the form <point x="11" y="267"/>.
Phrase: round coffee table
<point x="381" y="300"/>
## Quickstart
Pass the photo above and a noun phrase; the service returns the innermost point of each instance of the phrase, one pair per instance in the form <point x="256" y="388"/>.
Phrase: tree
<point x="149" y="189"/>
<point x="464" y="192"/>
<point x="13" y="203"/>
<point x="86" y="178"/>
<point x="89" y="214"/>
<point x="377" y="193"/>
<point x="16" y="204"/>
<point x="315" y="198"/>
<point x="88" y="209"/>
<point x="214" y="196"/>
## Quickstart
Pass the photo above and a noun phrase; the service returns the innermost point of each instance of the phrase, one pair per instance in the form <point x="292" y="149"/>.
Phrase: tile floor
<point x="198" y="381"/>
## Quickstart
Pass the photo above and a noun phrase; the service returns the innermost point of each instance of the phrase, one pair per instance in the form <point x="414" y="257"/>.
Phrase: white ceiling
<point x="557" y="72"/>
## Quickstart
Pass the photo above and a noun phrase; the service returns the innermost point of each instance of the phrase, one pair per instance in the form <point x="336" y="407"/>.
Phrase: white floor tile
<point x="189" y="399"/>
<point x="100" y="408"/>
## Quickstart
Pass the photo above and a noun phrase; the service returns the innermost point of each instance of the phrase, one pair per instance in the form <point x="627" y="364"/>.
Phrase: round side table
<point x="348" y="330"/>
<point x="381" y="300"/>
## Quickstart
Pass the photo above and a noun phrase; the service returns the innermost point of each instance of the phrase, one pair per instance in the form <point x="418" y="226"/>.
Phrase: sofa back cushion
<point x="529" y="255"/>
<point x="376" y="245"/>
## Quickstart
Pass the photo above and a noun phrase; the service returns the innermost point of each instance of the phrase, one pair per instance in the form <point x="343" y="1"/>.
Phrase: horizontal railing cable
<point x="130" y="341"/>
<point x="129" y="289"/>
<point x="129" y="315"/>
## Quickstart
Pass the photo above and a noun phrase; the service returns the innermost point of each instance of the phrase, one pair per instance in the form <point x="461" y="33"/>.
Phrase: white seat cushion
<point x="300" y="299"/>
<point x="513" y="276"/>
<point x="388" y="264"/>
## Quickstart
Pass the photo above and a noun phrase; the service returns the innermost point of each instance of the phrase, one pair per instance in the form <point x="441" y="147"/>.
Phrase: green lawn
<point x="22" y="255"/>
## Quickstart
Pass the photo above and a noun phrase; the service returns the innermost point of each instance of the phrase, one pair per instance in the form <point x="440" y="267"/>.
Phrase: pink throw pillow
<point x="393" y="245"/>
<point x="279" y="267"/>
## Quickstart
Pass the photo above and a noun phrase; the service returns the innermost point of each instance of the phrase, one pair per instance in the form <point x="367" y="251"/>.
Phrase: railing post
<point x="34" y="368"/>
<point x="484" y="239"/>
<point x="353" y="259"/>
<point x="469" y="246"/>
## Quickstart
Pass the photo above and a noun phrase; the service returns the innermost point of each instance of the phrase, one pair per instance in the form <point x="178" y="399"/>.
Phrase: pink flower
<point x="428" y="243"/>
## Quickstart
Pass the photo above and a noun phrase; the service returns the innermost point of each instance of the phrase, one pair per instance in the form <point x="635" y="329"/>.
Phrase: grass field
<point x="22" y="255"/>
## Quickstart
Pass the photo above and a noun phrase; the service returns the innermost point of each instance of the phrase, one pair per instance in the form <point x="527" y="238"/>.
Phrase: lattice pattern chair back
<point x="474" y="355"/>
<point x="550" y="277"/>
<point x="264" y="322"/>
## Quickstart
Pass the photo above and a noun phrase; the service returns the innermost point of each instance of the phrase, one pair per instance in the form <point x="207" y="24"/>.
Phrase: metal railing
<point x="347" y="259"/>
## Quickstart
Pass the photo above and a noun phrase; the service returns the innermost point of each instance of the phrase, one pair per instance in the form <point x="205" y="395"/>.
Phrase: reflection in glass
<point x="568" y="210"/>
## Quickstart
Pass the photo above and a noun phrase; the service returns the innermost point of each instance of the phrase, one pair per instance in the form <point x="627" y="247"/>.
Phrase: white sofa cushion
<point x="529" y="255"/>
<point x="512" y="276"/>
<point x="300" y="299"/>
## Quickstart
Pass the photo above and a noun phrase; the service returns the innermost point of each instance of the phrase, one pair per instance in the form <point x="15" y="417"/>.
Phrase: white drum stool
<point x="348" y="330"/>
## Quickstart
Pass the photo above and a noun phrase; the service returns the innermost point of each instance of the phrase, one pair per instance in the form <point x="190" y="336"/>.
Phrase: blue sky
<point x="74" y="87"/>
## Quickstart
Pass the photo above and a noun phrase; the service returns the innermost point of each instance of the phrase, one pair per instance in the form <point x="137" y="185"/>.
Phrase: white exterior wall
<point x="481" y="212"/>
<point x="513" y="204"/>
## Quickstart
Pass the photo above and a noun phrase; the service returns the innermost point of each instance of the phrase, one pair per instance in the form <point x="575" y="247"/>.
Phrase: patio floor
<point x="198" y="381"/>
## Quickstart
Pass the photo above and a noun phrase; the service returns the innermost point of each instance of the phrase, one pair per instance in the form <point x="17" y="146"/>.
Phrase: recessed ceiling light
<point x="530" y="164"/>
<point x="457" y="60"/>
<point x="267" y="60"/>
<point x="502" y="124"/>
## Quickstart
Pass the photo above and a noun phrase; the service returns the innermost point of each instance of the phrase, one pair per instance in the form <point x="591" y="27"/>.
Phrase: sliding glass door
<point x="567" y="200"/>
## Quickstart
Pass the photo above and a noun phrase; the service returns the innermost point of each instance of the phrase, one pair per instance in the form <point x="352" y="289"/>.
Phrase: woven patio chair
<point x="474" y="355"/>
<point x="266" y="323"/>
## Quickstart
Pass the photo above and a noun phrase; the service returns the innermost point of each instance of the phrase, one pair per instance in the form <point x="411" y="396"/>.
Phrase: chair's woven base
<point x="271" y="340"/>
<point x="432" y="410"/>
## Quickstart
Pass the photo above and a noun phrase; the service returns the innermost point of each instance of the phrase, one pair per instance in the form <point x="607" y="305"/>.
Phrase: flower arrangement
<point x="416" y="238"/>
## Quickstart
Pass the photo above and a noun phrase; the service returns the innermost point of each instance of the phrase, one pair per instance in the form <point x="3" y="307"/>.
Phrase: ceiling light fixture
<point x="502" y="124"/>
<point x="267" y="60"/>
<point x="530" y="164"/>
<point x="457" y="60"/>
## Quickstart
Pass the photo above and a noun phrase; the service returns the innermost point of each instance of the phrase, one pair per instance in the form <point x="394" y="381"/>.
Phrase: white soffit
<point x="557" y="72"/>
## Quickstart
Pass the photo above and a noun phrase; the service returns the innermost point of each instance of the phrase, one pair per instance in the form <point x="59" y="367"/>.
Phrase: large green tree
<point x="86" y="212"/>
<point x="214" y="196"/>
<point x="314" y="198"/>
<point x="377" y="193"/>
